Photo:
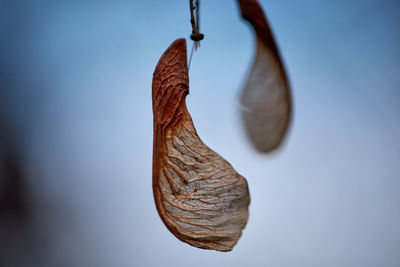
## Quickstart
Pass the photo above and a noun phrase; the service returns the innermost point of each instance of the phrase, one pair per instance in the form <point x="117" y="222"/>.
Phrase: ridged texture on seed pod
<point x="265" y="99"/>
<point x="201" y="199"/>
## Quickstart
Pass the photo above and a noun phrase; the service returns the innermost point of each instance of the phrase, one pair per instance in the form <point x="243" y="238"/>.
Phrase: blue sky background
<point x="78" y="97"/>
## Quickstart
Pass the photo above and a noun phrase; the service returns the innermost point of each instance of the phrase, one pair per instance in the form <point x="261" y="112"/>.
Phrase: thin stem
<point x="191" y="54"/>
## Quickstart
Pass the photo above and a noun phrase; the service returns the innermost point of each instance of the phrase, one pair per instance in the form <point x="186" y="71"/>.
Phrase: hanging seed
<point x="265" y="99"/>
<point x="201" y="199"/>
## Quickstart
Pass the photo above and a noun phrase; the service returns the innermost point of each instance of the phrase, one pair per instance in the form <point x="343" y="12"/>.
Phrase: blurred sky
<point x="75" y="94"/>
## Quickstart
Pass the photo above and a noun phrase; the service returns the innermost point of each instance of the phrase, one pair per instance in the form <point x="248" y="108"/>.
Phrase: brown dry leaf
<point x="265" y="100"/>
<point x="199" y="196"/>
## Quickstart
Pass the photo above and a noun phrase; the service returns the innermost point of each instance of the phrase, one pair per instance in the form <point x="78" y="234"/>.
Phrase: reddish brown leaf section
<point x="201" y="199"/>
<point x="265" y="99"/>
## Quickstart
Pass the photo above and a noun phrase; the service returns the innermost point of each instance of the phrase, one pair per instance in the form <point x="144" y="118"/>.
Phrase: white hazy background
<point x="79" y="100"/>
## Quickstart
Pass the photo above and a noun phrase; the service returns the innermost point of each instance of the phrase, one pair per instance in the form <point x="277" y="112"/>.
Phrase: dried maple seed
<point x="201" y="199"/>
<point x="265" y="99"/>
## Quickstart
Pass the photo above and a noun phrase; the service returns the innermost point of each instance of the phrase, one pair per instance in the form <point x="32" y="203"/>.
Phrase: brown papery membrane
<point x="201" y="199"/>
<point x="265" y="99"/>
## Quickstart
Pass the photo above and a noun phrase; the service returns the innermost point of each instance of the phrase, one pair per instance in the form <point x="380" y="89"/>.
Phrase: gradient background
<point x="75" y="109"/>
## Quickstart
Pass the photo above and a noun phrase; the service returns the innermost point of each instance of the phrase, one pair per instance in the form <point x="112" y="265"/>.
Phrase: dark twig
<point x="198" y="16"/>
<point x="196" y="35"/>
<point x="192" y="20"/>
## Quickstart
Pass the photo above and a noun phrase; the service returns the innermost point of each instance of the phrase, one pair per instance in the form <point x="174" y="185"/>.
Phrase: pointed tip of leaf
<point x="169" y="89"/>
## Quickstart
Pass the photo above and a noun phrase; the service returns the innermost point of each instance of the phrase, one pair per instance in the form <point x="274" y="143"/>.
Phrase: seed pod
<point x="265" y="99"/>
<point x="201" y="199"/>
